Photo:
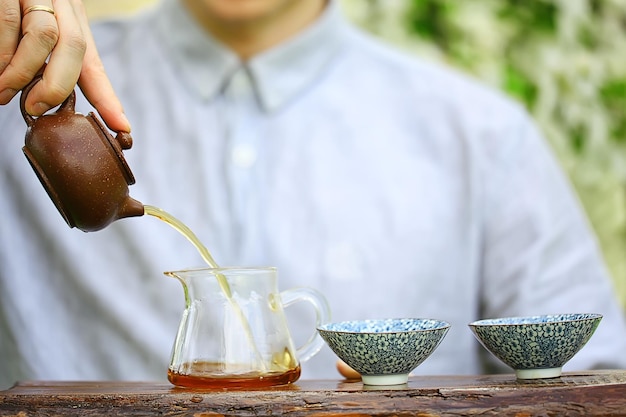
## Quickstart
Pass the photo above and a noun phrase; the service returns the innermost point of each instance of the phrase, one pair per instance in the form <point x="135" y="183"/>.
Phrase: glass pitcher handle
<point x="322" y="315"/>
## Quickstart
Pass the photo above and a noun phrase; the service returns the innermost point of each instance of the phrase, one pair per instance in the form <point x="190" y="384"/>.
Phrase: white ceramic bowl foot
<point x="538" y="373"/>
<point x="394" y="379"/>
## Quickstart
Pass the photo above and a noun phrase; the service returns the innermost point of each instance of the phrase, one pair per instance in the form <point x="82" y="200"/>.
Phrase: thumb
<point x="346" y="371"/>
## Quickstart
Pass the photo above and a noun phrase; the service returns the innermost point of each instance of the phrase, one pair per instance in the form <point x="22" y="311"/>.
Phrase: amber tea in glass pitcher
<point x="240" y="339"/>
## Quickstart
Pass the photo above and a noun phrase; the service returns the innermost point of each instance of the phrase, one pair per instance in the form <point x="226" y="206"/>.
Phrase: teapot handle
<point x="322" y="316"/>
<point x="67" y="106"/>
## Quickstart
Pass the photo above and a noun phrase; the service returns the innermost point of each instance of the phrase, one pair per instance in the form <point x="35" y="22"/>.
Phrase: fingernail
<point x="7" y="95"/>
<point x="41" y="108"/>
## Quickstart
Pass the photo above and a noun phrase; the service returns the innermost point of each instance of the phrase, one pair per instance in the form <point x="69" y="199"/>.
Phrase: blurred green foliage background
<point x="565" y="60"/>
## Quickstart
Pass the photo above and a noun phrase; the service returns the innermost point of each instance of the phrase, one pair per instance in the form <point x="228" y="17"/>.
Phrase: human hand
<point x="346" y="371"/>
<point x="29" y="38"/>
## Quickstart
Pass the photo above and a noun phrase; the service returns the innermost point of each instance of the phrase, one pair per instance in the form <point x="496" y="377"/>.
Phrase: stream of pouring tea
<point x="186" y="231"/>
<point x="206" y="255"/>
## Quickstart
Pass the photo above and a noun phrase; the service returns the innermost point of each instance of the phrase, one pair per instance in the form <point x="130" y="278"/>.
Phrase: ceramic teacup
<point x="384" y="351"/>
<point x="536" y="346"/>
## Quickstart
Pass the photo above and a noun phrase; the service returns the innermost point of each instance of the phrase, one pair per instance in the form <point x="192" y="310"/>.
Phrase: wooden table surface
<point x="597" y="393"/>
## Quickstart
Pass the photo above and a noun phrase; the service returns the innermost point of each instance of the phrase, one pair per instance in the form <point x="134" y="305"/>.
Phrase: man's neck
<point x="248" y="37"/>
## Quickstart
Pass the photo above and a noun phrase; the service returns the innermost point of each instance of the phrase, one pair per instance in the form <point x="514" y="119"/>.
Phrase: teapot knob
<point x="125" y="140"/>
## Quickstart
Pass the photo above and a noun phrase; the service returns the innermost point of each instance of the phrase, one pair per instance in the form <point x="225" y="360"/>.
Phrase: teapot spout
<point x="130" y="208"/>
<point x="105" y="214"/>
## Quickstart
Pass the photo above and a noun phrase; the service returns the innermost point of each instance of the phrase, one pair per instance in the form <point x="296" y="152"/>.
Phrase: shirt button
<point x="243" y="156"/>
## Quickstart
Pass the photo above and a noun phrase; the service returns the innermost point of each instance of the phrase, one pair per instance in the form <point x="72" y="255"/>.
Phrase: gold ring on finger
<point x="38" y="8"/>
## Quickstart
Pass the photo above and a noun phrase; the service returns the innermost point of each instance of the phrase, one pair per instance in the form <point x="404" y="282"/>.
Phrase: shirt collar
<point x="278" y="74"/>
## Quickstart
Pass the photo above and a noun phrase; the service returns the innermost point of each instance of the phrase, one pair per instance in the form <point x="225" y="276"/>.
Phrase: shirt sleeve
<point x="540" y="255"/>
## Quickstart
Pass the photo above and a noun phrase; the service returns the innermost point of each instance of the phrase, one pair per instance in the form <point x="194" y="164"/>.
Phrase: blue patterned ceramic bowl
<point x="384" y="351"/>
<point x="536" y="346"/>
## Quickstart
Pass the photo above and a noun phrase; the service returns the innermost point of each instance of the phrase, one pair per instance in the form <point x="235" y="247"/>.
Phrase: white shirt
<point x="395" y="187"/>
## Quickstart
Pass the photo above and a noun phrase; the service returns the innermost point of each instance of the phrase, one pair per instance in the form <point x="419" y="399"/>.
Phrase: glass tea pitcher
<point x="234" y="331"/>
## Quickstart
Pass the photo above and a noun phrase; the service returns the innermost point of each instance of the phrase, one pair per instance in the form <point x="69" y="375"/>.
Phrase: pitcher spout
<point x="178" y="275"/>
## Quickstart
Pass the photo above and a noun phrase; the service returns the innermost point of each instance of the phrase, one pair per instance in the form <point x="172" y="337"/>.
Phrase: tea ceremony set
<point x="384" y="351"/>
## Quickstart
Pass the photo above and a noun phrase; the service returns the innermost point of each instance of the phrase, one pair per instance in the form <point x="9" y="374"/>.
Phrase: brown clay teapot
<point x="80" y="165"/>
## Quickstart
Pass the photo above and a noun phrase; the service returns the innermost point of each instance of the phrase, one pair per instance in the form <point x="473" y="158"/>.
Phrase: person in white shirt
<point x="282" y="135"/>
